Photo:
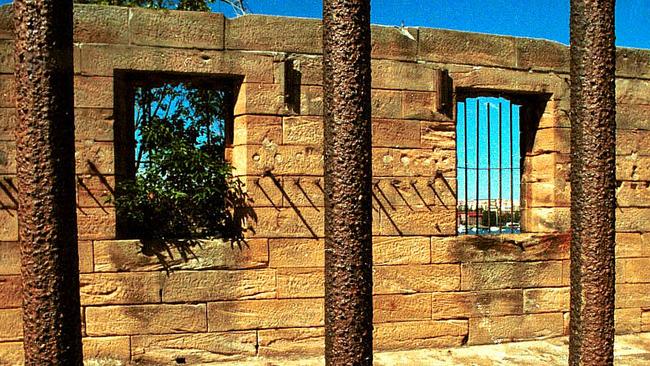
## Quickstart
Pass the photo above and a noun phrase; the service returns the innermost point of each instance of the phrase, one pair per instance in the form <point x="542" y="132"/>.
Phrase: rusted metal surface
<point x="593" y="182"/>
<point x="46" y="182"/>
<point x="348" y="182"/>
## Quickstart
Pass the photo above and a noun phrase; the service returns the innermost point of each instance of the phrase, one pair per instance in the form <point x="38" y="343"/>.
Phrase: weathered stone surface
<point x="392" y="308"/>
<point x="6" y="57"/>
<point x="454" y="305"/>
<point x="292" y="342"/>
<point x="518" y="247"/>
<point x="546" y="194"/>
<point x="386" y="104"/>
<point x="632" y="91"/>
<point x="101" y="24"/>
<point x="548" y="140"/>
<point x="95" y="157"/>
<point x="102" y="348"/>
<point x="534" y="54"/>
<point x="633" y="270"/>
<point x="7" y="91"/>
<point x="632" y="62"/>
<point x="397" y="75"/>
<point x="93" y="92"/>
<point x="420" y="334"/>
<point x="93" y="124"/>
<point x="389" y="162"/>
<point x="513" y="328"/>
<point x="303" y="191"/>
<point x="302" y="130"/>
<point x="501" y="275"/>
<point x="311" y="100"/>
<point x="102" y="60"/>
<point x="145" y="319"/>
<point x="12" y="324"/>
<point x="271" y="33"/>
<point x="96" y="223"/>
<point x="630" y="245"/>
<point x="408" y="279"/>
<point x="633" y="142"/>
<point x="95" y="190"/>
<point x="258" y="98"/>
<point x="7" y="157"/>
<point x="645" y="321"/>
<point x="423" y="222"/>
<point x="466" y="48"/>
<point x="6" y="21"/>
<point x="632" y="219"/>
<point x="130" y="255"/>
<point x="627" y="320"/>
<point x="414" y="193"/>
<point x="419" y="105"/>
<point x="7" y="124"/>
<point x="8" y="225"/>
<point x="284" y="159"/>
<point x="256" y="129"/>
<point x="10" y="292"/>
<point x="287" y="253"/>
<point x="392" y="250"/>
<point x="260" y="192"/>
<point x="189" y="29"/>
<point x="120" y="288"/>
<point x="632" y="116"/>
<point x="441" y="135"/>
<point x="85" y="256"/>
<point x="301" y="282"/>
<point x="546" y="219"/>
<point x="546" y="300"/>
<point x="395" y="133"/>
<point x="504" y="79"/>
<point x="8" y="192"/>
<point x="196" y="286"/>
<point x="388" y="43"/>
<point x="11" y="353"/>
<point x="301" y="222"/>
<point x="193" y="348"/>
<point x="633" y="167"/>
<point x="263" y="314"/>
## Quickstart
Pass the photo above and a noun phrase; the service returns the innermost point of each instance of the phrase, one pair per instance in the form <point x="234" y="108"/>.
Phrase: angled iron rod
<point x="46" y="182"/>
<point x="348" y="182"/>
<point x="593" y="182"/>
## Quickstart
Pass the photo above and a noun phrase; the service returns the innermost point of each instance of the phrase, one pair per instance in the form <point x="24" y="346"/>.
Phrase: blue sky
<point x="548" y="19"/>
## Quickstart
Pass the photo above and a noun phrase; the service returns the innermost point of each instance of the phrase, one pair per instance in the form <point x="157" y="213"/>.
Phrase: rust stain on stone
<point x="348" y="182"/>
<point x="46" y="182"/>
<point x="593" y="182"/>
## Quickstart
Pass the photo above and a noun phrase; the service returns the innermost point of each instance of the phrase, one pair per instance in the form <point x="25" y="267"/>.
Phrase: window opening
<point x="489" y="166"/>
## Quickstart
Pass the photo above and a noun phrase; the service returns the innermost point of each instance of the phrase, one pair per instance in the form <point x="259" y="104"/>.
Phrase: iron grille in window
<point x="488" y="166"/>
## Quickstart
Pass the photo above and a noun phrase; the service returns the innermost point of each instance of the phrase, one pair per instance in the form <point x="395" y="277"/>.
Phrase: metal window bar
<point x="494" y="145"/>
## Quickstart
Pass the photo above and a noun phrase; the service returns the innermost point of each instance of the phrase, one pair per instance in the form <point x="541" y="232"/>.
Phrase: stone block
<point x="273" y="33"/>
<point x="632" y="219"/>
<point x="302" y="130"/>
<point x="546" y="194"/>
<point x="8" y="192"/>
<point x="503" y="248"/>
<point x="549" y="140"/>
<point x="410" y="279"/>
<point x="93" y="124"/>
<point x="130" y="255"/>
<point x="388" y="162"/>
<point x="630" y="245"/>
<point x="95" y="190"/>
<point x="395" y="133"/>
<point x="184" y="29"/>
<point x="422" y="222"/>
<point x="630" y="142"/>
<point x="438" y="135"/>
<point x="10" y="291"/>
<point x="301" y="282"/>
<point x="6" y="56"/>
<point x="398" y="75"/>
<point x="261" y="192"/>
<point x="8" y="225"/>
<point x="292" y="341"/>
<point x="414" y="193"/>
<point x="633" y="167"/>
<point x="394" y="250"/>
<point x="9" y="254"/>
<point x="102" y="60"/>
<point x="633" y="270"/>
<point x="502" y="275"/>
<point x="93" y="92"/>
<point x="257" y="129"/>
<point x="145" y="319"/>
<point x="632" y="116"/>
<point x="284" y="160"/>
<point x="85" y="256"/>
<point x="546" y="300"/>
<point x="419" y="334"/>
<point x="289" y="253"/>
<point x="95" y="158"/>
<point x="258" y="98"/>
<point x="195" y="286"/>
<point x="101" y="24"/>
<point x="645" y="321"/>
<point x="513" y="328"/>
<point x="546" y="219"/>
<point x="7" y="157"/>
<point x="8" y="122"/>
<point x="301" y="222"/>
<point x="394" y="308"/>
<point x="506" y="79"/>
<point x="556" y="115"/>
<point x="420" y="105"/>
<point x="386" y="103"/>
<point x="627" y="321"/>
<point x="192" y="349"/>
<point x="388" y="43"/>
<point x="455" y="47"/>
<point x="120" y="288"/>
<point x="631" y="62"/>
<point x="265" y="314"/>
<point x="311" y="101"/>
<point x="7" y="91"/>
<point x="474" y="304"/>
<point x="96" y="223"/>
<point x="303" y="191"/>
<point x="632" y="91"/>
<point x="102" y="348"/>
<point x="12" y="324"/>
<point x="11" y="353"/>
<point x="6" y="21"/>
<point x="537" y="54"/>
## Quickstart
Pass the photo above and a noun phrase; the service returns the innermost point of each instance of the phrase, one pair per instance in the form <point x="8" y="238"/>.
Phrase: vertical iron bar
<point x="500" y="171"/>
<point x="512" y="173"/>
<point x="348" y="182"/>
<point x="46" y="182"/>
<point x="593" y="182"/>
<point x="489" y="182"/>
<point x="466" y="176"/>
<point x="478" y="164"/>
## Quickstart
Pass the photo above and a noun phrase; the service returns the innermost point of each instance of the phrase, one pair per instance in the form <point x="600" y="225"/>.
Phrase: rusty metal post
<point x="593" y="182"/>
<point x="46" y="182"/>
<point x="348" y="182"/>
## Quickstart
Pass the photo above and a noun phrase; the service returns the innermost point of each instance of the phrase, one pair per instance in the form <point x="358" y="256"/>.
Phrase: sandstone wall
<point x="265" y="298"/>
